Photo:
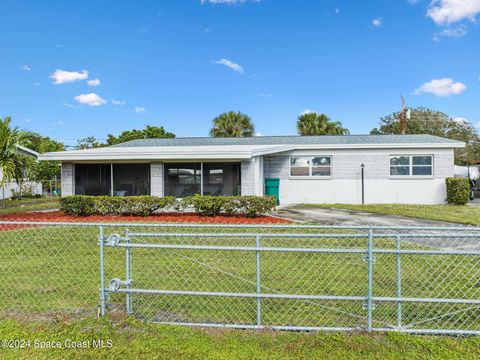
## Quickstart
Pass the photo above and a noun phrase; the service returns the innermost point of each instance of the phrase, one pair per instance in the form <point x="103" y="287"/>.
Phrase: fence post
<point x="101" y="241"/>
<point x="399" y="285"/>
<point x="370" y="260"/>
<point x="259" y="288"/>
<point x="127" y="273"/>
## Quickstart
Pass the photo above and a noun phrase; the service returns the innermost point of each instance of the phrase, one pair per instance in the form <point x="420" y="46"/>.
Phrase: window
<point x="314" y="166"/>
<point x="411" y="165"/>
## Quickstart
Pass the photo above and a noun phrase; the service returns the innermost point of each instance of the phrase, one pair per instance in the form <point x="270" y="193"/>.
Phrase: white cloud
<point x="36" y="83"/>
<point x="444" y="12"/>
<point x="62" y="76"/>
<point x="93" y="82"/>
<point x="477" y="125"/>
<point x="91" y="99"/>
<point x="229" y="2"/>
<point x="230" y="64"/>
<point x="28" y="120"/>
<point x="139" y="109"/>
<point x="69" y="105"/>
<point x="414" y="2"/>
<point x="441" y="87"/>
<point x="118" y="102"/>
<point x="337" y="11"/>
<point x="258" y="134"/>
<point x="306" y="111"/>
<point x="451" y="32"/>
<point x="377" y="22"/>
<point x="25" y="68"/>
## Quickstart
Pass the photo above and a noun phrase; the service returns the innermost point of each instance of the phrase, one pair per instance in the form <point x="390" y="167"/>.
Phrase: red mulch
<point x="57" y="216"/>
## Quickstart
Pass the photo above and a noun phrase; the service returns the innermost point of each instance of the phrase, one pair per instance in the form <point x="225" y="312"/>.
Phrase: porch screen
<point x="92" y="179"/>
<point x="131" y="179"/>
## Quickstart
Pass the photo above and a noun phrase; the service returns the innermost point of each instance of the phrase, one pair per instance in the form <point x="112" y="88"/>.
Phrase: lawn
<point x="132" y="339"/>
<point x="9" y="206"/>
<point x="53" y="270"/>
<point x="467" y="215"/>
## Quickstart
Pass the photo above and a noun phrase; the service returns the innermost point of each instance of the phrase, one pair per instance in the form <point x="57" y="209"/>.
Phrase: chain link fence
<point x="419" y="280"/>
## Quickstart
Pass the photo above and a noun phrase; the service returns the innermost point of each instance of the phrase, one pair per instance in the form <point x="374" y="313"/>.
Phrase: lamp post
<point x="362" y="167"/>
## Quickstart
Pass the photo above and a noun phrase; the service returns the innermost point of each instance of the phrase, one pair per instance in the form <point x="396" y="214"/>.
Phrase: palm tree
<point x="319" y="124"/>
<point x="12" y="164"/>
<point x="232" y="124"/>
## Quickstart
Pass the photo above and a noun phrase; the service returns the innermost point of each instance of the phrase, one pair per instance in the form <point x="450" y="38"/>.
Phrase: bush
<point x="207" y="205"/>
<point x="78" y="205"/>
<point x="458" y="190"/>
<point x="114" y="205"/>
<point x="253" y="206"/>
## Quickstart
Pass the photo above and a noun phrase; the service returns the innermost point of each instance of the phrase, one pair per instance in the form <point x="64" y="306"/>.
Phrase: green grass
<point x="468" y="215"/>
<point x="9" y="206"/>
<point x="51" y="270"/>
<point x="132" y="339"/>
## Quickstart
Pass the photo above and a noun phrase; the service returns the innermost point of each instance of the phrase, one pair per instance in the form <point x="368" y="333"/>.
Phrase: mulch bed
<point x="57" y="216"/>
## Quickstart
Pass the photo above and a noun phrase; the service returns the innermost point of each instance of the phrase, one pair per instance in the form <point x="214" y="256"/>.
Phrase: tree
<point x="89" y="142"/>
<point x="43" y="170"/>
<point x="150" y="132"/>
<point x="428" y="121"/>
<point x="13" y="164"/>
<point x="319" y="124"/>
<point x="232" y="124"/>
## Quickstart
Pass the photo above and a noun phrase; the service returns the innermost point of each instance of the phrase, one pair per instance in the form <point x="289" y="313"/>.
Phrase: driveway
<point x="321" y="216"/>
<point x="349" y="217"/>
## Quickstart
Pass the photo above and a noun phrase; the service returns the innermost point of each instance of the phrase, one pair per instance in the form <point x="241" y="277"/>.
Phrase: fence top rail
<point x="243" y="226"/>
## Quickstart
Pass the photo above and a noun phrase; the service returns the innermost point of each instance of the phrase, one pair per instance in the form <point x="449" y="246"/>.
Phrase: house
<point x="311" y="169"/>
<point x="9" y="187"/>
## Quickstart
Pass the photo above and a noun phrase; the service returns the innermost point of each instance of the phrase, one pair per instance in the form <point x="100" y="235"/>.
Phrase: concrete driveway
<point x="317" y="215"/>
<point x="321" y="216"/>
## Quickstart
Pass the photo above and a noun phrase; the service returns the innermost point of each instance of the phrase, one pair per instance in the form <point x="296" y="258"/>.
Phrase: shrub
<point x="78" y="205"/>
<point x="458" y="190"/>
<point x="206" y="205"/>
<point x="114" y="205"/>
<point x="253" y="206"/>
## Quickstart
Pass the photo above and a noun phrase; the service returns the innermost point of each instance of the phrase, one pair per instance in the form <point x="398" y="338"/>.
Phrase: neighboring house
<point x="311" y="169"/>
<point x="6" y="191"/>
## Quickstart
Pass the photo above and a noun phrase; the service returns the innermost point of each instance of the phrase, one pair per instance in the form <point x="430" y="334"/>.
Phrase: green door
<point x="272" y="188"/>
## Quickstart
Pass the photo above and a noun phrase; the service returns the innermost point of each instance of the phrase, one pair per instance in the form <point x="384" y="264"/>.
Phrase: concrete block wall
<point x="247" y="170"/>
<point x="68" y="173"/>
<point x="156" y="179"/>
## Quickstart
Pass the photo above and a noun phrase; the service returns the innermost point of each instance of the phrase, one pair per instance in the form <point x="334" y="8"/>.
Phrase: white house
<point x="312" y="169"/>
<point x="6" y="190"/>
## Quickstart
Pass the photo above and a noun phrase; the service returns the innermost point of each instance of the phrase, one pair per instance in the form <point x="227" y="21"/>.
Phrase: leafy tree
<point x="43" y="170"/>
<point x="232" y="124"/>
<point x="428" y="121"/>
<point x="89" y="142"/>
<point x="319" y="124"/>
<point x="150" y="132"/>
<point x="13" y="164"/>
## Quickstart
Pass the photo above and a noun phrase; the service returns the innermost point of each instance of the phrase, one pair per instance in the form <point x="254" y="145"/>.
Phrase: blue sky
<point x="179" y="63"/>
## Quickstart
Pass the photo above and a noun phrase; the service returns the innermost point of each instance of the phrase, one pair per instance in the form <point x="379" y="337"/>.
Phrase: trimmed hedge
<point x="250" y="206"/>
<point x="458" y="190"/>
<point x="207" y="205"/>
<point x="80" y="205"/>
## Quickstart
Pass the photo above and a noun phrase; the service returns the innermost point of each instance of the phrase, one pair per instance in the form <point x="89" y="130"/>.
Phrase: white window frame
<point x="410" y="166"/>
<point x="310" y="166"/>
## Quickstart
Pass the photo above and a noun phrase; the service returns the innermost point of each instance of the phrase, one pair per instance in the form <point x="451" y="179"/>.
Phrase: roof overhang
<point x="27" y="151"/>
<point x="237" y="152"/>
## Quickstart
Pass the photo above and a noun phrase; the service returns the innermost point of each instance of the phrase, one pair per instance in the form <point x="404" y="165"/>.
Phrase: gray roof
<point x="292" y="140"/>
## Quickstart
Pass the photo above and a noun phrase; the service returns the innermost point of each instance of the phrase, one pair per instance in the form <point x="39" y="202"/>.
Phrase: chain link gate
<point x="342" y="279"/>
